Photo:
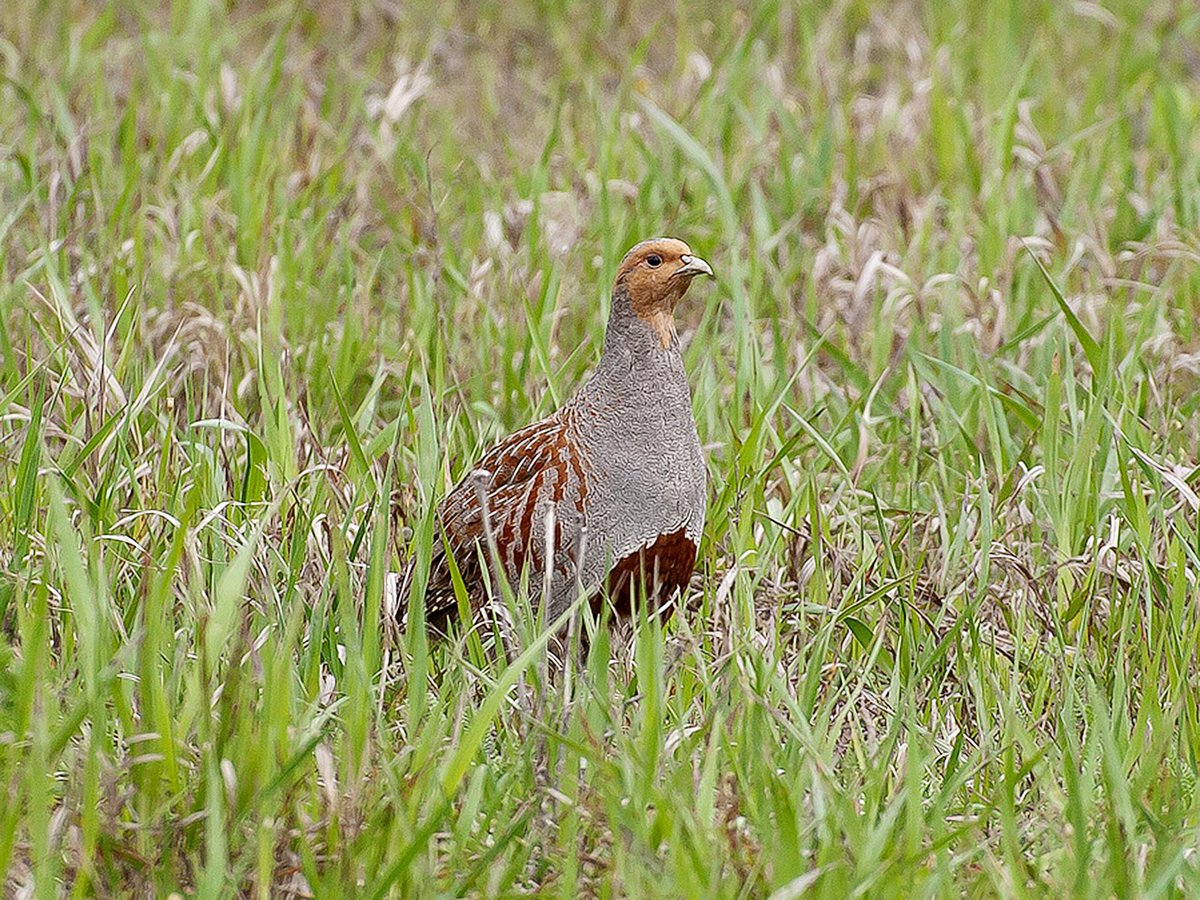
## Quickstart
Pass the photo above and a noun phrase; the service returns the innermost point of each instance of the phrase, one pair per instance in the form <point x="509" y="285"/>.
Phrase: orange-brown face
<point x="657" y="274"/>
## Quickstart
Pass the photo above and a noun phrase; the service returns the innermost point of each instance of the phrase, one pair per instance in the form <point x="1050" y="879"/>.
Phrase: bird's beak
<point x="693" y="266"/>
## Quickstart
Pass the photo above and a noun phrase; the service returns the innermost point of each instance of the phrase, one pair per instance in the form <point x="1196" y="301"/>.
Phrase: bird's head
<point x="656" y="274"/>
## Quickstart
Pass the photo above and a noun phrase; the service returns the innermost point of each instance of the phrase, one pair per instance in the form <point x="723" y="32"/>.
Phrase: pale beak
<point x="693" y="266"/>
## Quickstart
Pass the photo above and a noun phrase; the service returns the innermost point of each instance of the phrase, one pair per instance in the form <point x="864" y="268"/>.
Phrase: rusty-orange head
<point x="656" y="274"/>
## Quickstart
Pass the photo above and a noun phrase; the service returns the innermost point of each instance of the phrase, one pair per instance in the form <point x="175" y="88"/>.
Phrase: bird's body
<point x="610" y="489"/>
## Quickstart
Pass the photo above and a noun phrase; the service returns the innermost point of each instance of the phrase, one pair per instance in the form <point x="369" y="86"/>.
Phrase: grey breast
<point x="646" y="471"/>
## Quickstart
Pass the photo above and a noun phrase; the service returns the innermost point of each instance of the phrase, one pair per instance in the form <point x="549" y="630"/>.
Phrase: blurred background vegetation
<point x="274" y="273"/>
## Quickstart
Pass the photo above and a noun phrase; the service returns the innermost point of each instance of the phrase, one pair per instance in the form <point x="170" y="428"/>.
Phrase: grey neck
<point x="636" y="375"/>
<point x="630" y="341"/>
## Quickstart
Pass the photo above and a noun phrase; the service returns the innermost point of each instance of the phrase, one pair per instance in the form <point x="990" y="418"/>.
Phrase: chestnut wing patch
<point x="528" y="467"/>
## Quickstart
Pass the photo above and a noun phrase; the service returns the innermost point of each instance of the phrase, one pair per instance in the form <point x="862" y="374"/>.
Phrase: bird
<point x="608" y="493"/>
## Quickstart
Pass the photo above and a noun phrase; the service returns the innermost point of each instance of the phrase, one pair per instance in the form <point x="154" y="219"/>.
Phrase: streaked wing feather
<point x="508" y="477"/>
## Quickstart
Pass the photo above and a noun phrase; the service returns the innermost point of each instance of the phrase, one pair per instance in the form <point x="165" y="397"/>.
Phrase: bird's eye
<point x="654" y="260"/>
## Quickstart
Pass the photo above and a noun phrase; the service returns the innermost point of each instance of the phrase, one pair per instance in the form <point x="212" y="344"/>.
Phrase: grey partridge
<point x="609" y="491"/>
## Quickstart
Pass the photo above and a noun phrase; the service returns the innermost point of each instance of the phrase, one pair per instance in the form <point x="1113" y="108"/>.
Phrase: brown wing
<point x="528" y="467"/>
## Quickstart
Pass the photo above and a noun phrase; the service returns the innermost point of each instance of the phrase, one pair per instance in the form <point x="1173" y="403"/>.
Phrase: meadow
<point x="272" y="275"/>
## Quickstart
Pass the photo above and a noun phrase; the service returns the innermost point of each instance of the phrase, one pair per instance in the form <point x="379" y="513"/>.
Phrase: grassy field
<point x="273" y="276"/>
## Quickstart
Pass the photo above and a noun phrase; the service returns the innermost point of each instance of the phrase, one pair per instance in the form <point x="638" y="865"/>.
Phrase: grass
<point x="274" y="275"/>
